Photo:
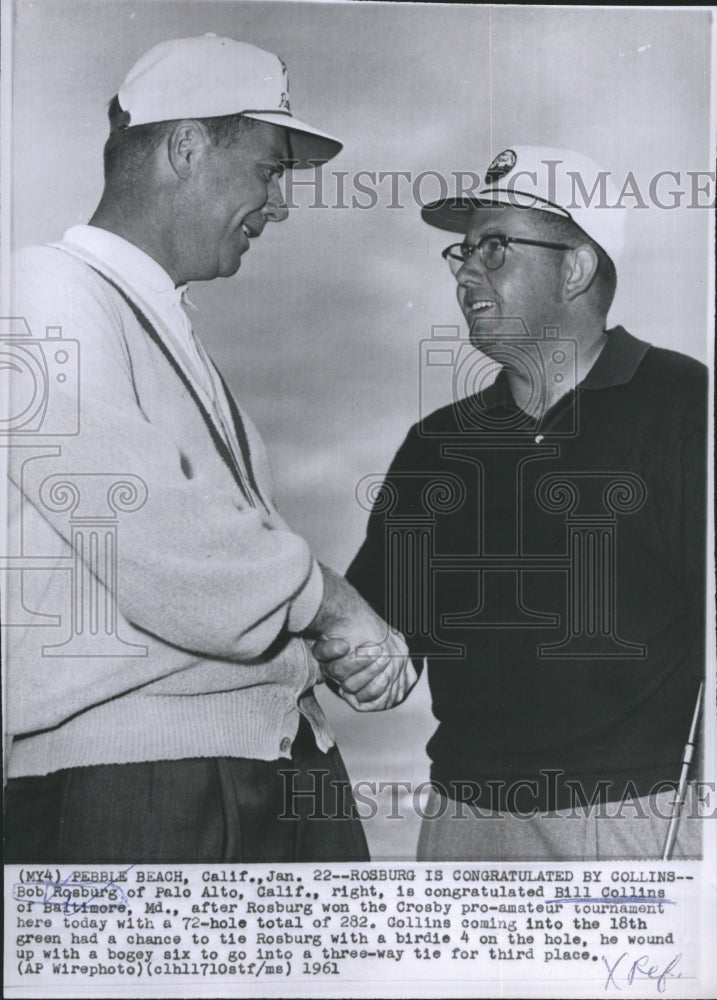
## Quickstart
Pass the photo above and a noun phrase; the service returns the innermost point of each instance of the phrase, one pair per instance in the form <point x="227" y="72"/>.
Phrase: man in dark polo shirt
<point x="541" y="541"/>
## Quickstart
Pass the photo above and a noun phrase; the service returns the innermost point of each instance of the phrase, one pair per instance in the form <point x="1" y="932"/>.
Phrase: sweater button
<point x="285" y="745"/>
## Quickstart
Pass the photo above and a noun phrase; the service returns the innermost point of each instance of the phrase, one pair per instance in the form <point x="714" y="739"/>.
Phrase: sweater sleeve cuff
<point x="306" y="604"/>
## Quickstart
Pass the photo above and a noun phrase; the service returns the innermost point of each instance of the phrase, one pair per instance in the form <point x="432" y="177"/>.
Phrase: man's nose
<point x="275" y="209"/>
<point x="470" y="270"/>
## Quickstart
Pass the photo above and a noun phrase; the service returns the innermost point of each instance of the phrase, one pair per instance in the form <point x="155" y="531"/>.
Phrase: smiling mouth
<point x="480" y="306"/>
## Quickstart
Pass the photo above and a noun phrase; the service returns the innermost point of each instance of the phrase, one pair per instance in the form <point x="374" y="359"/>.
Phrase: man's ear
<point x="185" y="144"/>
<point x="582" y="264"/>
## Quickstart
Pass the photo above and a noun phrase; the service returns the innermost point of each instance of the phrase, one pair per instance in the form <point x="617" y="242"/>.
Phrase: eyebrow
<point x="491" y="231"/>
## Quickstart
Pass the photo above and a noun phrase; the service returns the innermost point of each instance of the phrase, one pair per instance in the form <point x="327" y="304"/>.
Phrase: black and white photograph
<point x="357" y="538"/>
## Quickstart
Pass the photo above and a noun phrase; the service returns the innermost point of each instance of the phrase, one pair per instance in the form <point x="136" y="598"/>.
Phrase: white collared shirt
<point x="153" y="289"/>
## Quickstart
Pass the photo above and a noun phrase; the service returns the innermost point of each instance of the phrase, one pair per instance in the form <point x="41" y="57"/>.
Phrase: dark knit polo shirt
<point x="568" y="656"/>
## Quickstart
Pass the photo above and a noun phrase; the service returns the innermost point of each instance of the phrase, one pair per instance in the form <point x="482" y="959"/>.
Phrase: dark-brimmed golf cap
<point x="560" y="181"/>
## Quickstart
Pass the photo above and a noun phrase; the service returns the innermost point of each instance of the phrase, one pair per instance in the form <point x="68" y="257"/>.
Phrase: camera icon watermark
<point x="41" y="381"/>
<point x="453" y="369"/>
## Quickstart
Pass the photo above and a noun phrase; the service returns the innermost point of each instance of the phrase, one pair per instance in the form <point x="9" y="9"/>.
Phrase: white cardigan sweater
<point x="208" y="588"/>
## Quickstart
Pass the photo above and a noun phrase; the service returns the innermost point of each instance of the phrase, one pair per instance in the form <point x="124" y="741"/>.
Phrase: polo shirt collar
<point x="139" y="269"/>
<point x="615" y="365"/>
<point x="617" y="362"/>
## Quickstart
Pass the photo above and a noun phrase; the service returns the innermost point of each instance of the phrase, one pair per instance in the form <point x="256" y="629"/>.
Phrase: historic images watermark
<point x="394" y="799"/>
<point x="485" y="446"/>
<point x="365" y="189"/>
<point x="36" y="370"/>
<point x="41" y="379"/>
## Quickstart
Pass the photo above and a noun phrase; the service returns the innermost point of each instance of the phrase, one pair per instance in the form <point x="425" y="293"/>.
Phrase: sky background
<point x="320" y="332"/>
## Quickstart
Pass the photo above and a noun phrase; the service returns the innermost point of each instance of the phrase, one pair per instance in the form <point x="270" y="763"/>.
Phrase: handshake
<point x="360" y="655"/>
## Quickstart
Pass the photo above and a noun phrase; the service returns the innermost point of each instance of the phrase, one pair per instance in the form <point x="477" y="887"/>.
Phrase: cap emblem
<point x="284" y="98"/>
<point x="501" y="165"/>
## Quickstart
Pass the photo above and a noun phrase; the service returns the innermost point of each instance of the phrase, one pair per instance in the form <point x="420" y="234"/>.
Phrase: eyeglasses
<point x="491" y="250"/>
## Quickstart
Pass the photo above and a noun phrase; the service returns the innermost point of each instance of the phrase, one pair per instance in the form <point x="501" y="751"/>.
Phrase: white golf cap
<point x="550" y="180"/>
<point x="208" y="77"/>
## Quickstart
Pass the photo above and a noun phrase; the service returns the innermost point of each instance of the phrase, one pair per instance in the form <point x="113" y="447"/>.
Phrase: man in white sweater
<point x="165" y="711"/>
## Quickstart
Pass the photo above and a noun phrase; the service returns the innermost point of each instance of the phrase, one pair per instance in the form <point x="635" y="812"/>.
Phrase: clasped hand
<point x="366" y="658"/>
<point x="370" y="676"/>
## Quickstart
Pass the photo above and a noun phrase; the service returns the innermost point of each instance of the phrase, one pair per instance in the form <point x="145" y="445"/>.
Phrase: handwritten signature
<point x="640" y="969"/>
